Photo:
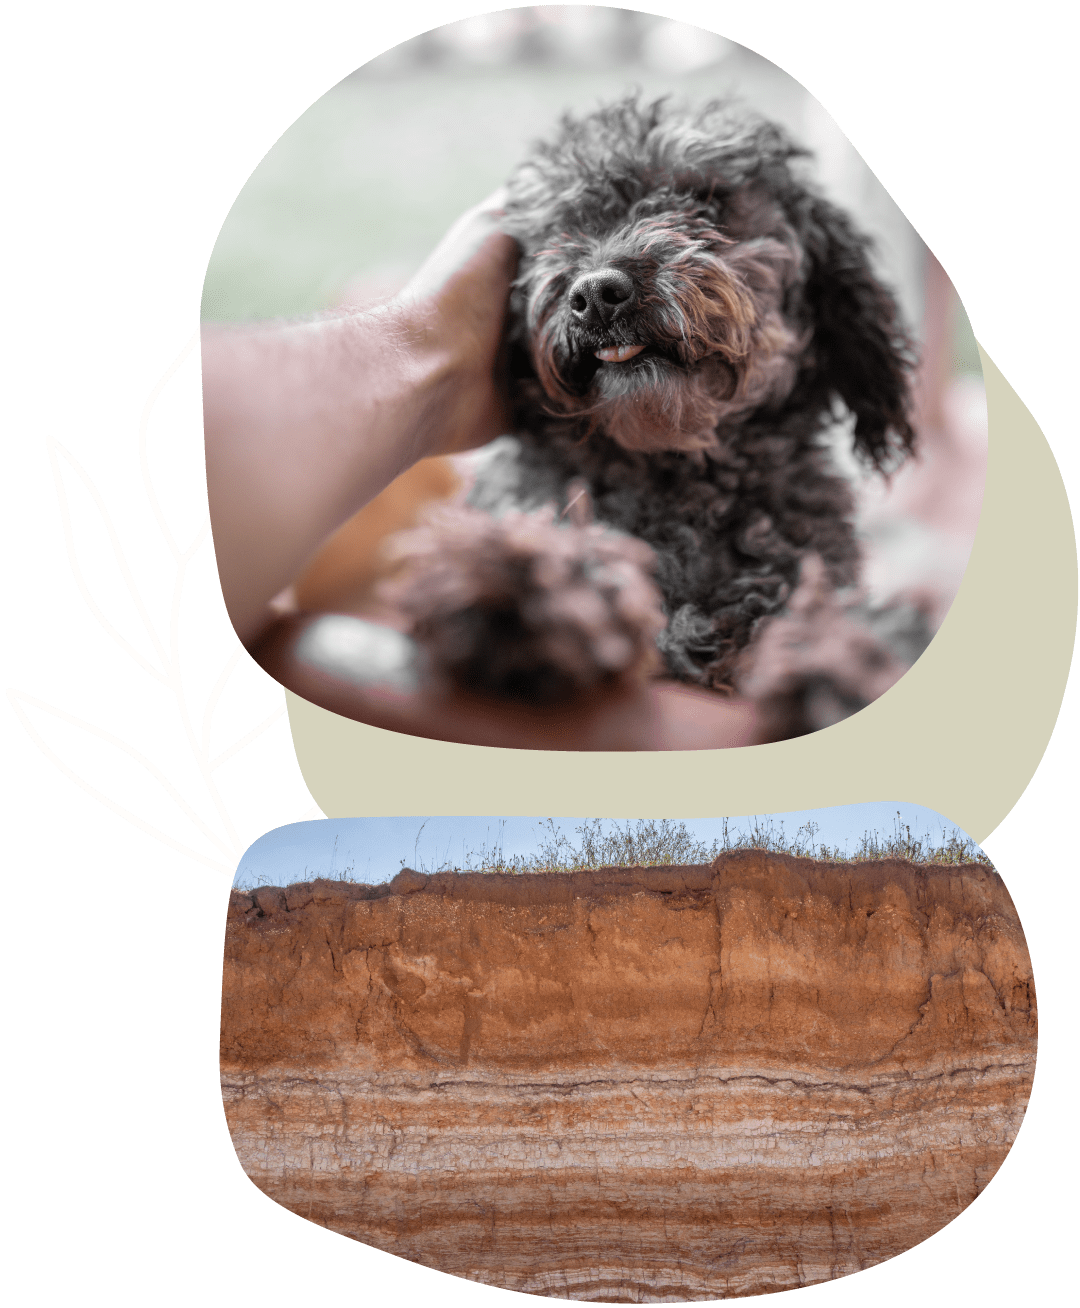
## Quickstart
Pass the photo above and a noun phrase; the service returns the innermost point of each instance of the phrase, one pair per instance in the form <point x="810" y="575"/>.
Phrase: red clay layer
<point x="631" y="1084"/>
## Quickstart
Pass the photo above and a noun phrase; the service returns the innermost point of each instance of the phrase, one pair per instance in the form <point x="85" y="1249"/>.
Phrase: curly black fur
<point x="803" y="324"/>
<point x="731" y="521"/>
<point x="723" y="562"/>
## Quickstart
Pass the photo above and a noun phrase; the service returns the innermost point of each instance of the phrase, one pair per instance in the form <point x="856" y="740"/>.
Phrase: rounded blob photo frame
<point x="732" y="507"/>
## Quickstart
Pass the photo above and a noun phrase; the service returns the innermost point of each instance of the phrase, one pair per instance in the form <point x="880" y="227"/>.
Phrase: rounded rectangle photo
<point x="634" y="1061"/>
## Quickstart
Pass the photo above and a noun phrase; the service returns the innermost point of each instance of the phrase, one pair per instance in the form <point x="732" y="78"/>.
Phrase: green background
<point x="131" y="128"/>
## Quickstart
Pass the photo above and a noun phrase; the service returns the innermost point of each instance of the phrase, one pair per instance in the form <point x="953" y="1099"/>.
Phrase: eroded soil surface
<point x="631" y="1085"/>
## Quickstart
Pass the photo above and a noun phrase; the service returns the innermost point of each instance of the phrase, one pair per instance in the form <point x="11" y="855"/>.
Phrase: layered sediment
<point x="631" y="1085"/>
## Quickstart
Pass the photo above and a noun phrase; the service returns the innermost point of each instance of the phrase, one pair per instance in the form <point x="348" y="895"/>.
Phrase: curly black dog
<point x="689" y="317"/>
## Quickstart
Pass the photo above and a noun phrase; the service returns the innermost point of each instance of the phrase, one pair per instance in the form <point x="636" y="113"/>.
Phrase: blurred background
<point x="357" y="192"/>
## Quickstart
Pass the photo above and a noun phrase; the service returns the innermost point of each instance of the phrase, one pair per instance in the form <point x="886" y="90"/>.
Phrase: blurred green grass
<point x="364" y="184"/>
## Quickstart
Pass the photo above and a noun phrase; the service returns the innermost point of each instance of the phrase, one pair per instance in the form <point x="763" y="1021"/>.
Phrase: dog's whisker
<point x="572" y="502"/>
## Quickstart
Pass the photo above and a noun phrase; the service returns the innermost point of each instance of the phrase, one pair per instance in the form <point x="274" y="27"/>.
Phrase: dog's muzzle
<point x="602" y="311"/>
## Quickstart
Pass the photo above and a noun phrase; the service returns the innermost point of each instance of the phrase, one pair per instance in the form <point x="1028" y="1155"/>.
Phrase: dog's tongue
<point x="618" y="353"/>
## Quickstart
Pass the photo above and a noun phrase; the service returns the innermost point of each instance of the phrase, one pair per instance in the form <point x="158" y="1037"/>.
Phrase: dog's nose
<point x="597" y="297"/>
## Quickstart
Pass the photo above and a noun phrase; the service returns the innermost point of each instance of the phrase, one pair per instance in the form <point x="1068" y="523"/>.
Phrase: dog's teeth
<point x="619" y="353"/>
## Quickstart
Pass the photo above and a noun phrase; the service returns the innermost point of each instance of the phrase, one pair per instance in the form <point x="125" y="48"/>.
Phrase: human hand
<point x="454" y="310"/>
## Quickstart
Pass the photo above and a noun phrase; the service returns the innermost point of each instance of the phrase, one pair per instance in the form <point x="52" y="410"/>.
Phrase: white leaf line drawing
<point x="208" y="812"/>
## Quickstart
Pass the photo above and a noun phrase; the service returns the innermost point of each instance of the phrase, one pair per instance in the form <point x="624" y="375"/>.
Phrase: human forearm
<point x="305" y="422"/>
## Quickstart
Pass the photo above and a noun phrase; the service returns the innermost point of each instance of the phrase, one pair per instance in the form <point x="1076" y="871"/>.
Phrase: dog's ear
<point x="860" y="350"/>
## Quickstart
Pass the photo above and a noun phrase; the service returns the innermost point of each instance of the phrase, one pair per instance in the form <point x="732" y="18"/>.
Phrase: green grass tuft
<point x="663" y="842"/>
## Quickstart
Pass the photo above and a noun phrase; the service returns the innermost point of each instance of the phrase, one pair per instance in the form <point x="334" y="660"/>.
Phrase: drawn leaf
<point x="144" y="461"/>
<point x="215" y="695"/>
<point x="248" y="739"/>
<point x="17" y="699"/>
<point x="56" y="453"/>
<point x="168" y="674"/>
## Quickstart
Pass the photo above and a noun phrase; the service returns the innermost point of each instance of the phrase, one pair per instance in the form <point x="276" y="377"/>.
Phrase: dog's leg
<point x="526" y="606"/>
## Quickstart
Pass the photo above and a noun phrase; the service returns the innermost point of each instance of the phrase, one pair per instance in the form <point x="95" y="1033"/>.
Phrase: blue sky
<point x="374" y="849"/>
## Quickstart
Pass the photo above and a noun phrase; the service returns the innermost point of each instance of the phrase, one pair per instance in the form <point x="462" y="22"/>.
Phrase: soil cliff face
<point x="631" y="1085"/>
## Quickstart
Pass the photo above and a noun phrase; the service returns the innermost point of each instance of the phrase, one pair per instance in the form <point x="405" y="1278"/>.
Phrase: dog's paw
<point x="526" y="607"/>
